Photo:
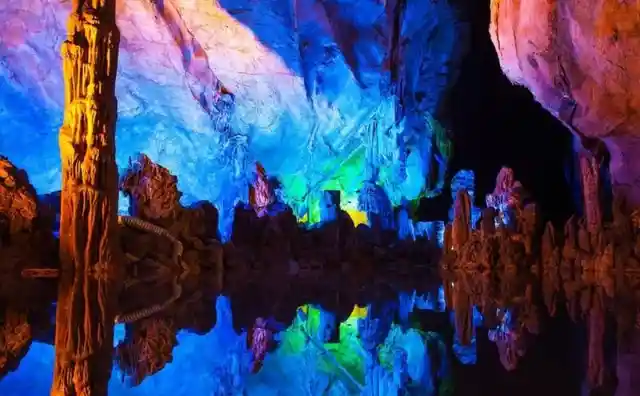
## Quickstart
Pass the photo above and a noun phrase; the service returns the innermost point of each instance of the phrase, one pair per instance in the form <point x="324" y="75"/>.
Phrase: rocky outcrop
<point x="89" y="253"/>
<point x="581" y="61"/>
<point x="18" y="200"/>
<point x="26" y="241"/>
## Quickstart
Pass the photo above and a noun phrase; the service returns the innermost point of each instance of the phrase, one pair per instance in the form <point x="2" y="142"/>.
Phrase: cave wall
<point x="208" y="88"/>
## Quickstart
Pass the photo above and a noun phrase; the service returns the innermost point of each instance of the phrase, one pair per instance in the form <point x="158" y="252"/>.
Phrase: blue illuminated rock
<point x="208" y="88"/>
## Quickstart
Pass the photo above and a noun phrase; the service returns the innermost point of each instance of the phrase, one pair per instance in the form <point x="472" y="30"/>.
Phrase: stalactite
<point x="89" y="253"/>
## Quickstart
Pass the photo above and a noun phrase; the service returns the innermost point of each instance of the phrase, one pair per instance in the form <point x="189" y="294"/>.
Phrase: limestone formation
<point x="15" y="339"/>
<point x="18" y="201"/>
<point x="497" y="268"/>
<point x="26" y="242"/>
<point x="155" y="200"/>
<point x="593" y="267"/>
<point x="89" y="251"/>
<point x="147" y="349"/>
<point x="580" y="59"/>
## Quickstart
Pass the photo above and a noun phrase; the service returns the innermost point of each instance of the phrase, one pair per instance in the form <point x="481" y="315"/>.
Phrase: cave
<point x="319" y="197"/>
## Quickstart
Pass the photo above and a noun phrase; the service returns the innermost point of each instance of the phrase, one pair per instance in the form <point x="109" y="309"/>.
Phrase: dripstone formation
<point x="89" y="251"/>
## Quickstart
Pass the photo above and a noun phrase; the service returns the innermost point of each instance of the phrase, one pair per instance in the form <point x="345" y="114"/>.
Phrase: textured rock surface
<point x="18" y="201"/>
<point x="297" y="69"/>
<point x="581" y="60"/>
<point x="90" y="257"/>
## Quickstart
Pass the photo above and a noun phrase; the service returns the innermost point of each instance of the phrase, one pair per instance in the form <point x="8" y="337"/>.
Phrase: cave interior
<point x="319" y="197"/>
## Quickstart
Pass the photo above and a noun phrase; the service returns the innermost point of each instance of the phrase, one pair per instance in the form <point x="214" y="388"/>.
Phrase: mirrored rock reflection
<point x="349" y="310"/>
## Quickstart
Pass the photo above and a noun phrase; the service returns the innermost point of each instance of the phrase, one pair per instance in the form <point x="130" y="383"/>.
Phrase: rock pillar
<point x="89" y="252"/>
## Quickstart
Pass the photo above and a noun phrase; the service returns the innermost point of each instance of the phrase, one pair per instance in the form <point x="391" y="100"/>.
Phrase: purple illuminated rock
<point x="581" y="61"/>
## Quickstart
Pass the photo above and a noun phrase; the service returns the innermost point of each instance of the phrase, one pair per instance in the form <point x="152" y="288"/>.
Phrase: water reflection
<point x="214" y="344"/>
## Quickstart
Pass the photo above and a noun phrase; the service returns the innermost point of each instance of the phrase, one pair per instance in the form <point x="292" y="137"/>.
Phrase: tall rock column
<point x="88" y="221"/>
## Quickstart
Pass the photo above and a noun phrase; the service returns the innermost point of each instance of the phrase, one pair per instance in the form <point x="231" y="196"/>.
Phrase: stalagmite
<point x="589" y="170"/>
<point x="89" y="252"/>
<point x="460" y="233"/>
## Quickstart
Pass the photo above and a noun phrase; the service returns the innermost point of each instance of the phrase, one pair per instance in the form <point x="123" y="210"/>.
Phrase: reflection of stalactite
<point x="460" y="232"/>
<point x="596" y="362"/>
<point x="550" y="269"/>
<point x="461" y="220"/>
<point x="15" y="339"/>
<point x="509" y="342"/>
<point x="142" y="225"/>
<point x="147" y="348"/>
<point x="151" y="310"/>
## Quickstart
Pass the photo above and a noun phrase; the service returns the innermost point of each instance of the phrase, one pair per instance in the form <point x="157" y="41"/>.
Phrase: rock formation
<point x="593" y="268"/>
<point x="24" y="224"/>
<point x="502" y="268"/>
<point x="26" y="243"/>
<point x="581" y="62"/>
<point x="89" y="253"/>
<point x="227" y="83"/>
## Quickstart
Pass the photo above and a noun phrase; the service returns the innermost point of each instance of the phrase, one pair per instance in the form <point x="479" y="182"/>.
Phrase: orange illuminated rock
<point x="18" y="201"/>
<point x="89" y="254"/>
<point x="581" y="61"/>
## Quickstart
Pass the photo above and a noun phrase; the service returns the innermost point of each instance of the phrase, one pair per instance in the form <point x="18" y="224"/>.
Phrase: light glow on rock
<point x="304" y="94"/>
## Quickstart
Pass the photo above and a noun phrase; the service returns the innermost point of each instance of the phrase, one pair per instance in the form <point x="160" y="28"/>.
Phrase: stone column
<point x="89" y="253"/>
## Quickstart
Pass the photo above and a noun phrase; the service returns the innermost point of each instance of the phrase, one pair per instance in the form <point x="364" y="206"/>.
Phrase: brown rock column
<point x="89" y="252"/>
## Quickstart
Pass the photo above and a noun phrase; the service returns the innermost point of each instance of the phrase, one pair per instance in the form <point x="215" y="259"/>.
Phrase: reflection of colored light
<point x="358" y="312"/>
<point x="119" y="334"/>
<point x="358" y="217"/>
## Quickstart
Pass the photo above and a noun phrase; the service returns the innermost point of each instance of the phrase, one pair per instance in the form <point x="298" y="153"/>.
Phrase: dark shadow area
<point x="497" y="124"/>
<point x="551" y="366"/>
